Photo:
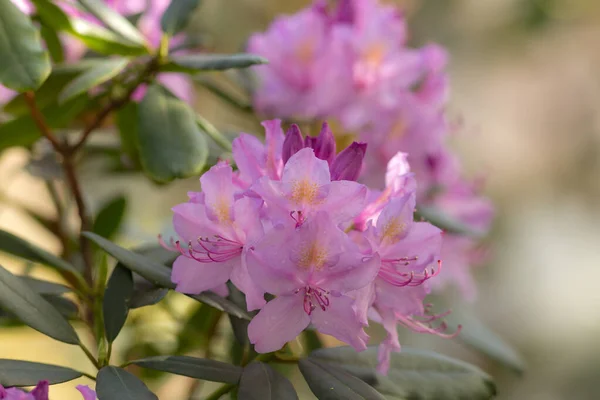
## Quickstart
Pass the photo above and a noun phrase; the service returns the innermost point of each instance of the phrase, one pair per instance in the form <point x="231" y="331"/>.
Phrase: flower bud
<point x="293" y="143"/>
<point x="348" y="164"/>
<point x="324" y="145"/>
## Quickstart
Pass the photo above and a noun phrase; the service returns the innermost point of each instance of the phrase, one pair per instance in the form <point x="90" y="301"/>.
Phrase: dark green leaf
<point x="64" y="306"/>
<point x="26" y="373"/>
<point x="199" y="368"/>
<point x="311" y="340"/>
<point x="177" y="16"/>
<point x="445" y="222"/>
<point x="20" y="300"/>
<point x="414" y="374"/>
<point x="192" y="63"/>
<point x="16" y="246"/>
<point x="25" y="64"/>
<point x="329" y="382"/>
<point x="52" y="43"/>
<point x="22" y="131"/>
<point x="477" y="335"/>
<point x="97" y="75"/>
<point x="117" y="384"/>
<point x="238" y="325"/>
<point x="115" y="21"/>
<point x="116" y="301"/>
<point x="170" y="143"/>
<point x="261" y="382"/>
<point x="145" y="293"/>
<point x="159" y="274"/>
<point x="127" y="124"/>
<point x="45" y="287"/>
<point x="109" y="217"/>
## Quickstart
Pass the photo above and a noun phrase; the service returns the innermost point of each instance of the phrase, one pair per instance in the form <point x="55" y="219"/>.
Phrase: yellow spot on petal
<point x="305" y="52"/>
<point x="305" y="192"/>
<point x="374" y="54"/>
<point x="223" y="211"/>
<point x="398" y="130"/>
<point x="312" y="255"/>
<point x="392" y="229"/>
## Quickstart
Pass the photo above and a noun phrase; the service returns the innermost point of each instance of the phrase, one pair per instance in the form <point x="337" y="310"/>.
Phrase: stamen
<point x="299" y="219"/>
<point x="391" y="275"/>
<point x="425" y="325"/>
<point x="219" y="250"/>
<point x="312" y="296"/>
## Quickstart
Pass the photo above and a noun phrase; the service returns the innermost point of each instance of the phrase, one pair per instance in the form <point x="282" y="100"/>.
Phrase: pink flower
<point x="309" y="269"/>
<point x="40" y="392"/>
<point x="88" y="394"/>
<point x="218" y="228"/>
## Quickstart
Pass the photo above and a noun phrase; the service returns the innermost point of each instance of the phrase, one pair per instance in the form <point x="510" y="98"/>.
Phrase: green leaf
<point x="52" y="43"/>
<point x="45" y="287"/>
<point x="20" y="300"/>
<point x="97" y="75"/>
<point x="199" y="368"/>
<point x="115" y="305"/>
<point x="16" y="246"/>
<point x="413" y="374"/>
<point x="146" y="294"/>
<point x="177" y="16"/>
<point x="26" y="373"/>
<point x="115" y="21"/>
<point x="261" y="382"/>
<point x="329" y="382"/>
<point x="127" y="125"/>
<point x="22" y="131"/>
<point x="159" y="274"/>
<point x="480" y="337"/>
<point x="25" y="64"/>
<point x="64" y="306"/>
<point x="192" y="63"/>
<point x="117" y="384"/>
<point x="445" y="222"/>
<point x="170" y="143"/>
<point x="109" y="218"/>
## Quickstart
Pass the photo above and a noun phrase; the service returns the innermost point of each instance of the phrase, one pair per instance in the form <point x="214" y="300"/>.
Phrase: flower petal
<point x="218" y="191"/>
<point x="279" y="321"/>
<point x="344" y="200"/>
<point x="190" y="221"/>
<point x="255" y="297"/>
<point x="88" y="394"/>
<point x="250" y="157"/>
<point x="193" y="277"/>
<point x="340" y="321"/>
<point x="304" y="166"/>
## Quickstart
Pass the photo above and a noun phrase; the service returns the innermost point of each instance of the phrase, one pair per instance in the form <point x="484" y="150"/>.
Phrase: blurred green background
<point x="525" y="78"/>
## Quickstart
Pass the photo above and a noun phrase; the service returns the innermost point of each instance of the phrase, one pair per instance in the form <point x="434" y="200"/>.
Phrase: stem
<point x="216" y="395"/>
<point x="90" y="376"/>
<point x="214" y="133"/>
<point x="40" y="121"/>
<point x="60" y="218"/>
<point x="89" y="355"/>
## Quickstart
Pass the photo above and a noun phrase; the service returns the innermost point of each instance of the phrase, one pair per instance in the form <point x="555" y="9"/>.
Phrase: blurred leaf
<point x="127" y="124"/>
<point x="192" y="63"/>
<point x="238" y="325"/>
<point x="52" y="43"/>
<point x="45" y="166"/>
<point x="110" y="217"/>
<point x="64" y="306"/>
<point x="19" y="299"/>
<point x="170" y="143"/>
<point x="97" y="75"/>
<point x="198" y="329"/>
<point x="16" y="246"/>
<point x="477" y="335"/>
<point x="311" y="340"/>
<point x="329" y="382"/>
<point x="45" y="287"/>
<point x="160" y="274"/>
<point x="413" y="374"/>
<point x="25" y="64"/>
<point x="221" y="93"/>
<point x="117" y="384"/>
<point x="261" y="382"/>
<point x="115" y="21"/>
<point x="445" y="222"/>
<point x="177" y="16"/>
<point x="22" y="131"/>
<point x="115" y="305"/>
<point x="145" y="293"/>
<point x="26" y="373"/>
<point x="199" y="368"/>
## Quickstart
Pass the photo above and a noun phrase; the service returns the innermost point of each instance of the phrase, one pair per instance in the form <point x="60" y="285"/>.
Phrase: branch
<point x="40" y="121"/>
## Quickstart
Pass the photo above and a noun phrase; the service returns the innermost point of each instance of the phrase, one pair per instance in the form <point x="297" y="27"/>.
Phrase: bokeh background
<point x="525" y="77"/>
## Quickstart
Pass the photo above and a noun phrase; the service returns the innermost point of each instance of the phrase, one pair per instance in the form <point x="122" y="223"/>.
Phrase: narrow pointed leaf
<point x="25" y="64"/>
<point x="159" y="274"/>
<point x="199" y="368"/>
<point x="117" y="384"/>
<point x="115" y="305"/>
<point x="170" y="143"/>
<point x="115" y="21"/>
<point x="261" y="382"/>
<point x="26" y="373"/>
<point x="16" y="246"/>
<point x="192" y="63"/>
<point x="329" y="382"/>
<point x="53" y="43"/>
<point x="445" y="222"/>
<point x="97" y="75"/>
<point x="109" y="218"/>
<point x="45" y="287"/>
<point x="413" y="374"/>
<point x="177" y="16"/>
<point x="21" y="301"/>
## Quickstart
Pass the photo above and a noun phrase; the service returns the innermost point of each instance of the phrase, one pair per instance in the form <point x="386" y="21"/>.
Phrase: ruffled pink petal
<point x="250" y="157"/>
<point x="255" y="297"/>
<point x="344" y="200"/>
<point x="304" y="166"/>
<point x="396" y="218"/>
<point x="193" y="277"/>
<point x="390" y="343"/>
<point x="279" y="321"/>
<point x="40" y="392"/>
<point x="340" y="321"/>
<point x="218" y="192"/>
<point x="422" y="245"/>
<point x="190" y="221"/>
<point x="274" y="142"/>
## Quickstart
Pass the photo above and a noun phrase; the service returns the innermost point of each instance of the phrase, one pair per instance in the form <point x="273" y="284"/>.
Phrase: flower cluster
<point x="350" y="63"/>
<point x="149" y="25"/>
<point x="40" y="392"/>
<point x="293" y="223"/>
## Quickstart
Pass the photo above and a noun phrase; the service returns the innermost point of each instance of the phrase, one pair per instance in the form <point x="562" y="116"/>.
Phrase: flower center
<point x="223" y="211"/>
<point x="312" y="255"/>
<point x="392" y="229"/>
<point x="304" y="191"/>
<point x="314" y="297"/>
